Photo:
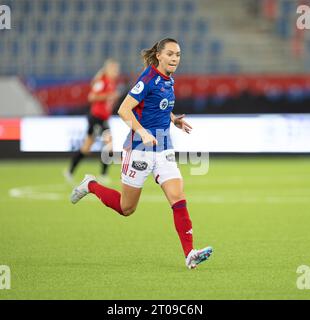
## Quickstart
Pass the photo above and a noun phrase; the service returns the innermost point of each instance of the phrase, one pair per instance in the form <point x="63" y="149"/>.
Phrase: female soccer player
<point x="147" y="109"/>
<point x="102" y="97"/>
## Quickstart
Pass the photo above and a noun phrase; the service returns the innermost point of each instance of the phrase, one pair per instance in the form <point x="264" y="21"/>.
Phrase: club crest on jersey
<point x="163" y="104"/>
<point x="138" y="88"/>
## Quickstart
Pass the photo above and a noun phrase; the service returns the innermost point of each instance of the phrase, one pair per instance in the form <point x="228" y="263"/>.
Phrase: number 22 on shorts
<point x="132" y="173"/>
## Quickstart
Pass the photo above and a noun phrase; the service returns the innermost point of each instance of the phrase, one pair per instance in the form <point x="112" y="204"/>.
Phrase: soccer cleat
<point x="197" y="256"/>
<point x="81" y="190"/>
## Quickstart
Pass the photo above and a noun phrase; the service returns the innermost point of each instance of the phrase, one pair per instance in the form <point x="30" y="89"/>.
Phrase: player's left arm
<point x="180" y="123"/>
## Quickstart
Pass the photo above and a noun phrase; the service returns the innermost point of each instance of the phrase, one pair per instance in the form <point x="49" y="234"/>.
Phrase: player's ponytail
<point x="149" y="55"/>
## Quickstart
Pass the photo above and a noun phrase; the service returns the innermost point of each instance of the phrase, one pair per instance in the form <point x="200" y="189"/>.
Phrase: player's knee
<point x="176" y="197"/>
<point x="128" y="211"/>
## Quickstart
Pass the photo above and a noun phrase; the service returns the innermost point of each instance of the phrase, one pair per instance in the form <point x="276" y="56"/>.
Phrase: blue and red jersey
<point x="155" y="93"/>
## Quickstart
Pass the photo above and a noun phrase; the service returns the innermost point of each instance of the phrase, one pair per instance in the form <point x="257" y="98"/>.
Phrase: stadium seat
<point x="70" y="47"/>
<point x="184" y="25"/>
<point x="135" y="6"/>
<point x="34" y="48"/>
<point x="45" y="6"/>
<point x="62" y="7"/>
<point x="107" y="49"/>
<point x="15" y="48"/>
<point x="40" y="26"/>
<point x="215" y="48"/>
<point x="189" y="7"/>
<point x="80" y="6"/>
<point x="201" y="26"/>
<point x="27" y="6"/>
<point x="53" y="46"/>
<point x="116" y="7"/>
<point x="88" y="47"/>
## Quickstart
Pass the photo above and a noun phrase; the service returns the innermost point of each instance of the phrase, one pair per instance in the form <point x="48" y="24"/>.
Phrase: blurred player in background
<point x="102" y="97"/>
<point x="147" y="109"/>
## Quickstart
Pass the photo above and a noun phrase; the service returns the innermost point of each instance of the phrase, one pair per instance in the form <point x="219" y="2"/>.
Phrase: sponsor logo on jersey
<point x="157" y="80"/>
<point x="139" y="165"/>
<point x="98" y="86"/>
<point x="170" y="157"/>
<point x="163" y="104"/>
<point x="138" y="88"/>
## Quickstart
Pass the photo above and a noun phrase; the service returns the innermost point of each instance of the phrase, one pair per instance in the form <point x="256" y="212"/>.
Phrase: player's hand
<point x="181" y="124"/>
<point x="148" y="139"/>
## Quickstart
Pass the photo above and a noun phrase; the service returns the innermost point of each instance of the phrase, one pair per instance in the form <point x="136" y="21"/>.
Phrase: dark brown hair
<point x="149" y="55"/>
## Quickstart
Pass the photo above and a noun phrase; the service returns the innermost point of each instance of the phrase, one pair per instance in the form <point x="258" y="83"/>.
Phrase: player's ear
<point x="157" y="56"/>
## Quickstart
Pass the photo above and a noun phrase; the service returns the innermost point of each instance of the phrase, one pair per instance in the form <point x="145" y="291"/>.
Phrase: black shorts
<point x="96" y="126"/>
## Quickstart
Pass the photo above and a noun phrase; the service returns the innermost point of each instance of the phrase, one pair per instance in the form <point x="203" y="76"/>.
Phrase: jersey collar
<point x="161" y="74"/>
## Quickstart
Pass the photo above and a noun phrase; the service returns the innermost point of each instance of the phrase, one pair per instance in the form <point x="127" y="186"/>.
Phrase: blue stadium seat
<point x="198" y="47"/>
<point x="116" y="7"/>
<point x="107" y="49"/>
<point x="45" y="6"/>
<point x="152" y="6"/>
<point x="15" y="48"/>
<point x="233" y="67"/>
<point x="111" y="25"/>
<point x="76" y="26"/>
<point x="184" y="25"/>
<point x="201" y="26"/>
<point x="94" y="26"/>
<point x="143" y="44"/>
<point x="125" y="46"/>
<point x="70" y="48"/>
<point x="34" y="48"/>
<point x="62" y="6"/>
<point x="148" y="25"/>
<point x="170" y="6"/>
<point x="21" y="26"/>
<point x="27" y="6"/>
<point x="166" y="25"/>
<point x="89" y="47"/>
<point x="215" y="48"/>
<point x="80" y="6"/>
<point x="287" y="7"/>
<point x="134" y="6"/>
<point x="99" y="6"/>
<point x="40" y="26"/>
<point x="283" y="27"/>
<point x="52" y="47"/>
<point x="58" y="26"/>
<point x="189" y="7"/>
<point x="130" y="26"/>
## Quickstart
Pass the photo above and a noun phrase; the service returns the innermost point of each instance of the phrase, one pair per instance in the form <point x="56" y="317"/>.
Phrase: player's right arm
<point x="125" y="112"/>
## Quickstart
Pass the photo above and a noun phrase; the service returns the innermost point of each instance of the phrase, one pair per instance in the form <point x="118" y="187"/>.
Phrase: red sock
<point x="183" y="225"/>
<point x="111" y="198"/>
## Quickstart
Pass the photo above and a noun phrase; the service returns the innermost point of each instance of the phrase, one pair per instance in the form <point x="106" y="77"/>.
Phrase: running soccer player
<point x="147" y="109"/>
<point x="102" y="97"/>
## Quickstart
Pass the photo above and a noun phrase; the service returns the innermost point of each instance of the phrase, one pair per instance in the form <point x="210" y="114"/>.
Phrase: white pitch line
<point x="61" y="192"/>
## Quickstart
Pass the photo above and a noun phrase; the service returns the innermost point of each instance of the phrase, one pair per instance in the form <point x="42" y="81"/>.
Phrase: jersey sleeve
<point x="140" y="90"/>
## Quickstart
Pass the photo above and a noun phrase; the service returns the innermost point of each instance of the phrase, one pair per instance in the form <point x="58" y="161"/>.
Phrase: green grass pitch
<point x="255" y="212"/>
